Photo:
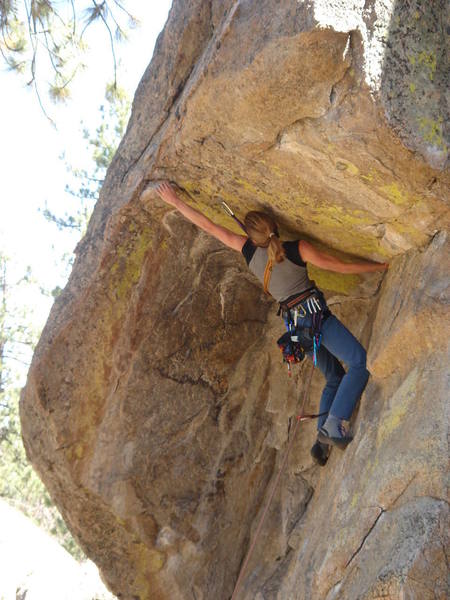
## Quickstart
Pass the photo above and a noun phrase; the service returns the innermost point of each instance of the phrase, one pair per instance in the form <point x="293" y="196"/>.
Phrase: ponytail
<point x="263" y="232"/>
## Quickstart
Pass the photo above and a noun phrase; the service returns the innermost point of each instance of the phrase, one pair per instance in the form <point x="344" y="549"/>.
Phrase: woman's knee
<point x="359" y="358"/>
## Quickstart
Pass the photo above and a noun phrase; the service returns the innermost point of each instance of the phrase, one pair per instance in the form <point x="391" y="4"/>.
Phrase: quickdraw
<point x="233" y="216"/>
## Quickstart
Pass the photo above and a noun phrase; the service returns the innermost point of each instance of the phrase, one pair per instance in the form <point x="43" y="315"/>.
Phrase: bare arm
<point x="227" y="237"/>
<point x="320" y="259"/>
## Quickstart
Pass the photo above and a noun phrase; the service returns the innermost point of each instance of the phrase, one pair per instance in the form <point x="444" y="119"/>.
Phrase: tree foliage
<point x="101" y="145"/>
<point x="31" y="31"/>
<point x="51" y="32"/>
<point x="19" y="484"/>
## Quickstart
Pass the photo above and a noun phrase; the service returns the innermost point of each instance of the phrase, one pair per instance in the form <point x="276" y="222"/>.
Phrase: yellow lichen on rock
<point x="396" y="194"/>
<point x="399" y="405"/>
<point x="149" y="562"/>
<point x="334" y="282"/>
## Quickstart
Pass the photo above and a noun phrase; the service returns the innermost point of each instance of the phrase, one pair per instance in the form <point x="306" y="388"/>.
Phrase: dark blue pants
<point x="342" y="389"/>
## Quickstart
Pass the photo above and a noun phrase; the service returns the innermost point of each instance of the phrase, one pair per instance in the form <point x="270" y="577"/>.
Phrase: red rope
<point x="309" y="417"/>
<point x="300" y="418"/>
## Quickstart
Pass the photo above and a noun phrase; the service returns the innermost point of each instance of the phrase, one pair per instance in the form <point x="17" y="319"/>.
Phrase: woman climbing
<point x="281" y="267"/>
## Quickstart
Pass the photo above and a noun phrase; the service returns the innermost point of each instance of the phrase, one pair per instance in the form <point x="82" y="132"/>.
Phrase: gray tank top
<point x="288" y="277"/>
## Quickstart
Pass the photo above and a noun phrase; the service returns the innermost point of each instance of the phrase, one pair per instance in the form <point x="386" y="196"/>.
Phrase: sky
<point x="32" y="172"/>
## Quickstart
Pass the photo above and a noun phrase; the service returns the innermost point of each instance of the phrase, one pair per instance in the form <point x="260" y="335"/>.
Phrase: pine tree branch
<point x="117" y="3"/>
<point x="111" y="39"/>
<point x="51" y="55"/>
<point x="74" y="29"/>
<point x="57" y="15"/>
<point x="6" y="43"/>
<point x="11" y="357"/>
<point x="8" y="61"/>
<point x="29" y="343"/>
<point x="33" y="64"/>
<point x="119" y="28"/>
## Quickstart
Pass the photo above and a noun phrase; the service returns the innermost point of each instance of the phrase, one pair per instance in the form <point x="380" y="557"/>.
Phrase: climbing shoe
<point x="320" y="453"/>
<point x="333" y="432"/>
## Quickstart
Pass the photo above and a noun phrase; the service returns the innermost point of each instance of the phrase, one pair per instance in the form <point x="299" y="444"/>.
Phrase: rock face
<point x="157" y="410"/>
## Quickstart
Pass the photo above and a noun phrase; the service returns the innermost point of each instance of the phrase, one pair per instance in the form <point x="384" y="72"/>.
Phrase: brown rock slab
<point x="157" y="410"/>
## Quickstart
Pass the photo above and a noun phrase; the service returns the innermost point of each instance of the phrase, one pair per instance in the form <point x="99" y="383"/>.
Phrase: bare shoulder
<point x="306" y="250"/>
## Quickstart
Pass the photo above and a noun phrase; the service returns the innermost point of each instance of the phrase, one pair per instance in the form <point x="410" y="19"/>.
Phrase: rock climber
<point x="281" y="267"/>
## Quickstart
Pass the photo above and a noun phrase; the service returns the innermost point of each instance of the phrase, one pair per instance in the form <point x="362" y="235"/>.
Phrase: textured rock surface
<point x="157" y="410"/>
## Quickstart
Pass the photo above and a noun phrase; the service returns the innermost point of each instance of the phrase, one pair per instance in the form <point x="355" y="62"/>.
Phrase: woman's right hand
<point x="166" y="192"/>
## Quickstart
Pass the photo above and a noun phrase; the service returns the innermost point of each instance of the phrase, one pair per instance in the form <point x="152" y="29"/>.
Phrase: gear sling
<point x="299" y="340"/>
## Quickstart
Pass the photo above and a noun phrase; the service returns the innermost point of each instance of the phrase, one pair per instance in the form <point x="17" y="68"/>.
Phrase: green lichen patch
<point x="428" y="60"/>
<point x="341" y="227"/>
<point x="128" y="261"/>
<point x="399" y="408"/>
<point x="415" y="79"/>
<point x="432" y="132"/>
<point x="395" y="194"/>
<point x="147" y="562"/>
<point x="345" y="229"/>
<point x="334" y="282"/>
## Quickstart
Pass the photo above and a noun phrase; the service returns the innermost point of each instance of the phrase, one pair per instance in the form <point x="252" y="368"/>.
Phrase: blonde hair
<point x="263" y="232"/>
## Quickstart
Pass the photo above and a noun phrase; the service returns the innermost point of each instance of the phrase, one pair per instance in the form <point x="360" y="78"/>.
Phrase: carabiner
<point x="301" y="308"/>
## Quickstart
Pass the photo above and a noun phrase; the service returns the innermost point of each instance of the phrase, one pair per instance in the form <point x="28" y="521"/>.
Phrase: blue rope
<point x="317" y="336"/>
<point x="316" y="340"/>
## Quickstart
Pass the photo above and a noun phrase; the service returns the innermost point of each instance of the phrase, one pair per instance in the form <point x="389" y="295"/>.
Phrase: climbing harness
<point x="299" y="340"/>
<point x="299" y="419"/>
